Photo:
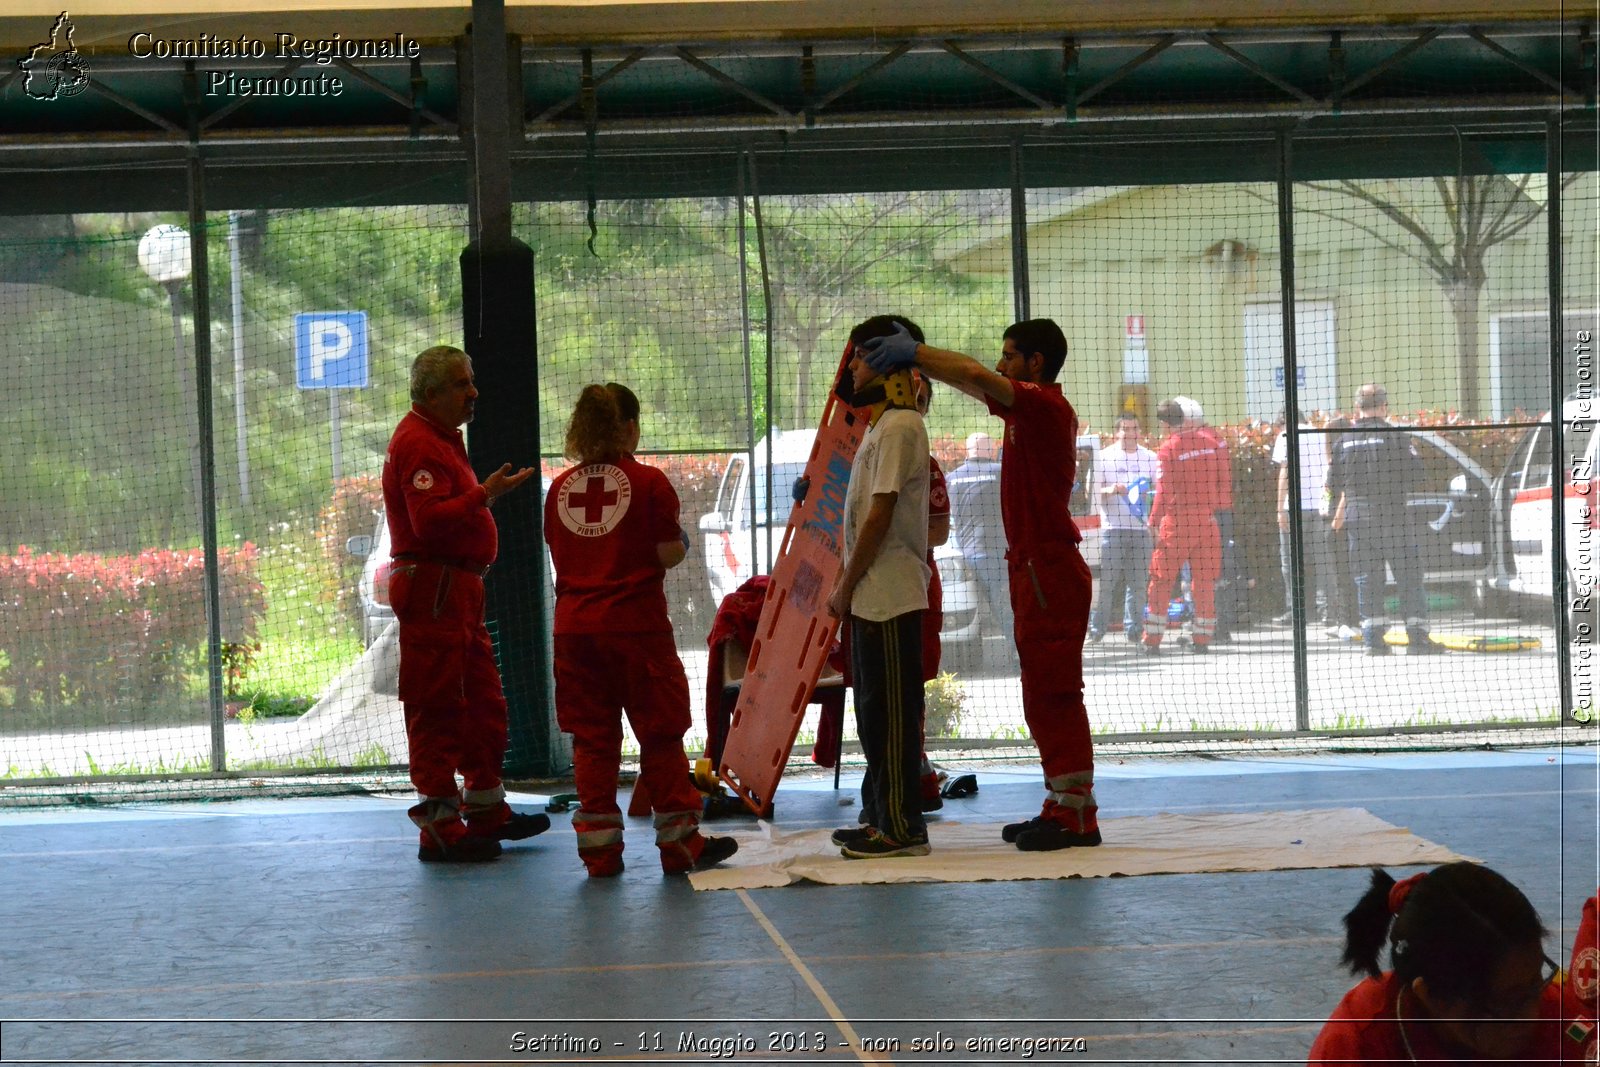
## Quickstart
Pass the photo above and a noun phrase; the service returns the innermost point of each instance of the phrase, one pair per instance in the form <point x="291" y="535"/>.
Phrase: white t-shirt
<point x="1313" y="467"/>
<point x="893" y="458"/>
<point x="1117" y="466"/>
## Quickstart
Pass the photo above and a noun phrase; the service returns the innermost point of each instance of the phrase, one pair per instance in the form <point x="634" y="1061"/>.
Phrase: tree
<point x="839" y="257"/>
<point x="670" y="268"/>
<point x="1478" y="212"/>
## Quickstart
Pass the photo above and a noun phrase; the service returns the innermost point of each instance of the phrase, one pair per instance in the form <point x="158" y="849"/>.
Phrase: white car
<point x="745" y="529"/>
<point x="1524" y="564"/>
<point x="372" y="591"/>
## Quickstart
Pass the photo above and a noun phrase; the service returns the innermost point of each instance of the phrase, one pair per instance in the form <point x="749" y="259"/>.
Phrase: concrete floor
<point x="305" y="931"/>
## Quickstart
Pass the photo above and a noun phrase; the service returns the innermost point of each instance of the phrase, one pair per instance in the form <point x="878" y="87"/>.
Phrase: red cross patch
<point x="1586" y="974"/>
<point x="594" y="499"/>
<point x="422" y="480"/>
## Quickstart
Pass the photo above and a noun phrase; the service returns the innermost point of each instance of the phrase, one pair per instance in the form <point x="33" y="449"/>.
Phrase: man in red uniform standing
<point x="1192" y="469"/>
<point x="443" y="540"/>
<point x="1049" y="581"/>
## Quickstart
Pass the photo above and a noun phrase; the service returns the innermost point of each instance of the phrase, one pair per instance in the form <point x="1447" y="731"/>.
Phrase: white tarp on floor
<point x="1151" y="844"/>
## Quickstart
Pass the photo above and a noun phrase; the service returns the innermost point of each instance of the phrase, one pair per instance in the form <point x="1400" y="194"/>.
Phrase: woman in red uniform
<point x="612" y="526"/>
<point x="1469" y="982"/>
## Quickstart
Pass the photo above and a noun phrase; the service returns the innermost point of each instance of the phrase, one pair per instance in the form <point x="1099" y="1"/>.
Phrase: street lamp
<point x="164" y="256"/>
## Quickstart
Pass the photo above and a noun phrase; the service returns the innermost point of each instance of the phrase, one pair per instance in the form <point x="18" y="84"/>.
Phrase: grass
<point x="306" y="641"/>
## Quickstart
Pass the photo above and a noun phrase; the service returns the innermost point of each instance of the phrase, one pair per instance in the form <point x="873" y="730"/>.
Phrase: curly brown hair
<point x="598" y="430"/>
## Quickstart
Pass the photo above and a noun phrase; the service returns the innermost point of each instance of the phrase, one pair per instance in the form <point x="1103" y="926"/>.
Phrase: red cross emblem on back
<point x="594" y="499"/>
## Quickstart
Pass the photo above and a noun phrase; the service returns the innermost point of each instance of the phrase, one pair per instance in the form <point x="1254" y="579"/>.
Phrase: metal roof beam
<point x="1516" y="60"/>
<point x="611" y="72"/>
<point x="851" y="83"/>
<point x="733" y="83"/>
<point x="996" y="77"/>
<point x="1129" y="67"/>
<point x="1392" y="61"/>
<point x="1257" y="69"/>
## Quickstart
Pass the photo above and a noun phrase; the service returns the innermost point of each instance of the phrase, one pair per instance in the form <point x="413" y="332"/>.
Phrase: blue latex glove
<point x="802" y="486"/>
<point x="894" y="352"/>
<point x="683" y="536"/>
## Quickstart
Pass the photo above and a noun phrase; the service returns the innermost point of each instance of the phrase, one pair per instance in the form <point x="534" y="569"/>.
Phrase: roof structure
<point x="386" y="84"/>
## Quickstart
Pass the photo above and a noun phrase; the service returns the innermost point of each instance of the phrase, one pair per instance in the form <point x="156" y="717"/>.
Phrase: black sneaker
<point x="1198" y="649"/>
<point x="715" y="850"/>
<point x="1009" y="832"/>
<point x="933" y="803"/>
<point x="467" y="850"/>
<point x="522" y="826"/>
<point x="850" y="835"/>
<point x="1380" y="647"/>
<point x="876" y="846"/>
<point x="1052" y="836"/>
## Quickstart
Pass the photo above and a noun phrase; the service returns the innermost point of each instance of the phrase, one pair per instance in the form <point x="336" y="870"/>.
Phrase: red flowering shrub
<point x="116" y="631"/>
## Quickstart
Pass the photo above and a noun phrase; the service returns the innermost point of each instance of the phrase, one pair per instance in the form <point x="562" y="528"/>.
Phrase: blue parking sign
<point x="330" y="349"/>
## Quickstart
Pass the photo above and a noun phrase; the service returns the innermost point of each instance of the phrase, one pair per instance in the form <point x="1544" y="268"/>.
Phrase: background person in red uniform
<point x="1469" y="978"/>
<point x="443" y="539"/>
<point x="1049" y="581"/>
<point x="612" y="526"/>
<point x="1192" y="470"/>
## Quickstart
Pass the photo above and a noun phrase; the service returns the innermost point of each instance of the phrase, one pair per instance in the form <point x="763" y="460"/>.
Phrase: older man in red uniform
<point x="1049" y="581"/>
<point x="443" y="539"/>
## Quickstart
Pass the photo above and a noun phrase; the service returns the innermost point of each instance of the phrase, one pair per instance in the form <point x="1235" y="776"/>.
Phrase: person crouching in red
<point x="1469" y="980"/>
<point x="612" y="526"/>
<point x="443" y="539"/>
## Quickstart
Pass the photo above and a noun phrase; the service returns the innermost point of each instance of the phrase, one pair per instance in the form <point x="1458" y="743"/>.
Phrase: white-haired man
<point x="443" y="540"/>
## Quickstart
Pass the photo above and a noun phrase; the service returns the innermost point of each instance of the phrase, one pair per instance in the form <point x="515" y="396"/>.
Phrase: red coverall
<point x="443" y="538"/>
<point x="614" y="654"/>
<point x="1051" y="593"/>
<point x="1193" y="477"/>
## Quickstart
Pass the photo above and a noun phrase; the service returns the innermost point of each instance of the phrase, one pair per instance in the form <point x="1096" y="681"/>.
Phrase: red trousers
<point x="1051" y="592"/>
<point x="599" y="678"/>
<point x="455" y="709"/>
<point x="1185" y="537"/>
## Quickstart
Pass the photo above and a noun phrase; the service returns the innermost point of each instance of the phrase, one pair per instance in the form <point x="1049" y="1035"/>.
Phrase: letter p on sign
<point x="330" y="349"/>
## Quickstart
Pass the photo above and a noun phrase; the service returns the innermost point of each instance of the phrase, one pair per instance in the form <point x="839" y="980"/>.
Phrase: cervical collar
<point x="883" y="392"/>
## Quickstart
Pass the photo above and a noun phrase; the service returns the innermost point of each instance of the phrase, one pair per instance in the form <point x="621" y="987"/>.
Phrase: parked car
<point x="1452" y="511"/>
<point x="372" y="589"/>
<point x="740" y="535"/>
<point x="968" y="618"/>
<point x="1523" y="564"/>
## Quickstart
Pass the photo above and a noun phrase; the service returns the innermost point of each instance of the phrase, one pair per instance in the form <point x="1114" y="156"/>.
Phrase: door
<point x="1449" y="511"/>
<point x="1315" y="351"/>
<point x="1530" y="514"/>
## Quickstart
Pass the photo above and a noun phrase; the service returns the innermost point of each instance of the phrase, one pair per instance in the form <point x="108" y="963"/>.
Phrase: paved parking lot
<point x="1247" y="685"/>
